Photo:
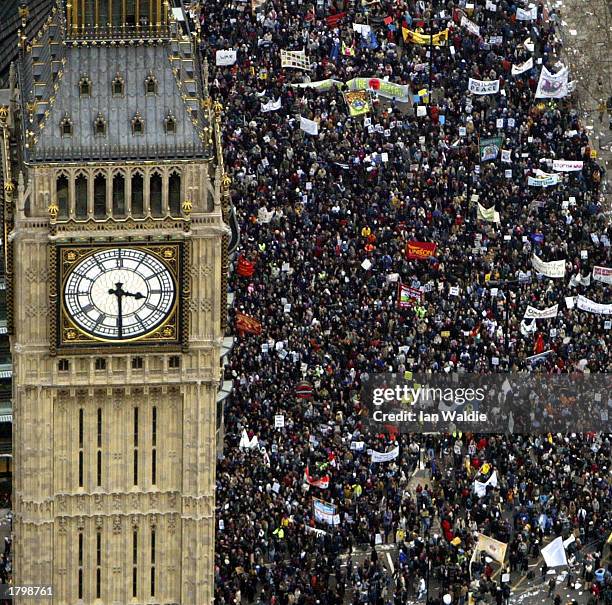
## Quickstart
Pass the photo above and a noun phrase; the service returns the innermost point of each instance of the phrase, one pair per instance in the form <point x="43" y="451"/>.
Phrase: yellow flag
<point x="439" y="39"/>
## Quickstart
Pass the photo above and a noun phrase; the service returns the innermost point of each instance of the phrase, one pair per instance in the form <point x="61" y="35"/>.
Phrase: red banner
<point x="323" y="482"/>
<point x="247" y="324"/>
<point x="304" y="390"/>
<point x="245" y="267"/>
<point x="420" y="250"/>
<point x="407" y="296"/>
<point x="333" y="20"/>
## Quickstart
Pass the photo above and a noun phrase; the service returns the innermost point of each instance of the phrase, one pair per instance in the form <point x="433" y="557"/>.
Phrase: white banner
<point x="246" y="443"/>
<point x="554" y="268"/>
<point x="543" y="180"/>
<point x="483" y="87"/>
<point x="225" y="57"/>
<point x="523" y="67"/>
<point x="488" y="214"/>
<point x="271" y="106"/>
<point x="567" y="165"/>
<point x="309" y="126"/>
<point x="470" y="26"/>
<point x="363" y="29"/>
<point x="531" y="14"/>
<point x="554" y="553"/>
<point x="320" y="84"/>
<point x="494" y="548"/>
<point x="533" y="313"/>
<point x="295" y="59"/>
<point x="553" y="86"/>
<point x="570" y="302"/>
<point x="586" y="304"/>
<point x="480" y="488"/>
<point x="384" y="456"/>
<point x="506" y="156"/>
<point x="580" y="280"/>
<point x="603" y="274"/>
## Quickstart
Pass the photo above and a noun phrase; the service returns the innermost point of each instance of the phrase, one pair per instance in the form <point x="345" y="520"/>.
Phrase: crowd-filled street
<point x="416" y="191"/>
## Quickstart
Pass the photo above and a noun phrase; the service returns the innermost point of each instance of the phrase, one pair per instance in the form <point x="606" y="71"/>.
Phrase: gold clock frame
<point x="67" y="337"/>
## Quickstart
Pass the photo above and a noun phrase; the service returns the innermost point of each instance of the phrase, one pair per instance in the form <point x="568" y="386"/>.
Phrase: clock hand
<point x="119" y="292"/>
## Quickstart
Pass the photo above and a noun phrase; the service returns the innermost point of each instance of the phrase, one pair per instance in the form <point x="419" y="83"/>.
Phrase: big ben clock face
<point x="119" y="294"/>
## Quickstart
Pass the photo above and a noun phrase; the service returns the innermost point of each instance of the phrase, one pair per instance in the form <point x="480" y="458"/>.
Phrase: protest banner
<point x="489" y="148"/>
<point x="439" y="39"/>
<point x="244" y="267"/>
<point x="295" y="59"/>
<point x="408" y="296"/>
<point x="602" y="274"/>
<point x="553" y="86"/>
<point x="488" y="214"/>
<point x="325" y="512"/>
<point x="271" y="106"/>
<point x="358" y="102"/>
<point x="246" y="443"/>
<point x="245" y="324"/>
<point x="586" y="304"/>
<point x="523" y="67"/>
<point x="383" y="88"/>
<point x="554" y="553"/>
<point x="319" y="85"/>
<point x="322" y="483"/>
<point x="530" y="14"/>
<point x="483" y="87"/>
<point x="554" y="269"/>
<point x="543" y="180"/>
<point x="309" y="126"/>
<point x="225" y="57"/>
<point x="384" y="456"/>
<point x="548" y="313"/>
<point x="494" y="548"/>
<point x="567" y="165"/>
<point x="420" y="250"/>
<point x="470" y="26"/>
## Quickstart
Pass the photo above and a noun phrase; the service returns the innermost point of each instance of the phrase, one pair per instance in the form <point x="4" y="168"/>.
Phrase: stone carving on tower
<point x="116" y="220"/>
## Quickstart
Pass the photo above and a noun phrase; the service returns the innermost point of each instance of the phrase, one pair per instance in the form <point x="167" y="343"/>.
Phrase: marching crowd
<point x="325" y="220"/>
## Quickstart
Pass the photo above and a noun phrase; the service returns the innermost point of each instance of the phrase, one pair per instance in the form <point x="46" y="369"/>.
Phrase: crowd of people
<point x="325" y="220"/>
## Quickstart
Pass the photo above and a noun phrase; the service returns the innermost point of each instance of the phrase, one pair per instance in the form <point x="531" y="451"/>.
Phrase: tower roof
<point x="112" y="99"/>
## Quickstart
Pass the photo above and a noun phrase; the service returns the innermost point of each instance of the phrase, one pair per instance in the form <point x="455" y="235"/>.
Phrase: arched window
<point x="174" y="194"/>
<point x="137" y="125"/>
<point x="85" y="87"/>
<point x="151" y="85"/>
<point x="80" y="194"/>
<point x="137" y="195"/>
<point x="118" y="195"/>
<point x="61" y="192"/>
<point x="66" y="127"/>
<point x="100" y="196"/>
<point x="118" y="86"/>
<point x="100" y="126"/>
<point x="155" y="194"/>
<point x="170" y="124"/>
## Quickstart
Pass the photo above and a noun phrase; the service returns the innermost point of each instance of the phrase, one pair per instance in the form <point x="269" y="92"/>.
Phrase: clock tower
<point x="117" y="230"/>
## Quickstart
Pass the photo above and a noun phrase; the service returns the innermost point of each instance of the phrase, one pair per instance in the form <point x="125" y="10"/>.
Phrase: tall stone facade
<point x="113" y="149"/>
